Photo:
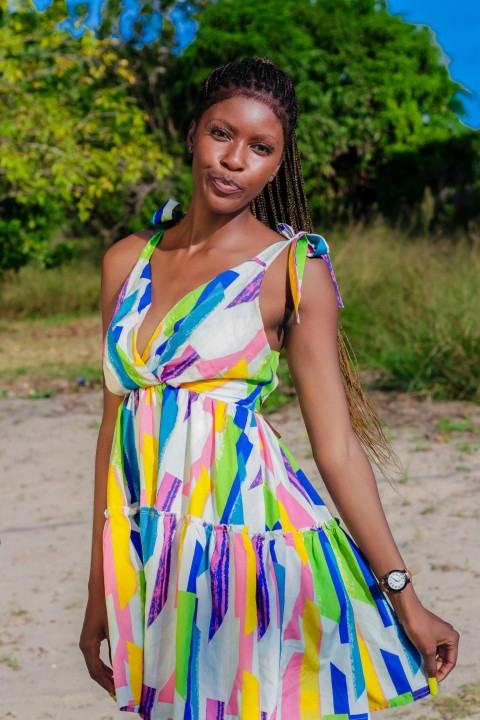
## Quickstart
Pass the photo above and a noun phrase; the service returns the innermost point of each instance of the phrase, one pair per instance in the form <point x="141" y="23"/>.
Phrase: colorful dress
<point x="231" y="591"/>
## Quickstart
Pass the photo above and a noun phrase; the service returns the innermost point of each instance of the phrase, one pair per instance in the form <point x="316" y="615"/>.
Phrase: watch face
<point x="396" y="580"/>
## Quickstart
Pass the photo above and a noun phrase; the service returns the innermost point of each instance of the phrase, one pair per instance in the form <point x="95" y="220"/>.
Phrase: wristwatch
<point x="395" y="581"/>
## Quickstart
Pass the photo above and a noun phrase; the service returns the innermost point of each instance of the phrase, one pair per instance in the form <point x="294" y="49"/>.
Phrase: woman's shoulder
<point x="120" y="257"/>
<point x="118" y="262"/>
<point x="264" y="236"/>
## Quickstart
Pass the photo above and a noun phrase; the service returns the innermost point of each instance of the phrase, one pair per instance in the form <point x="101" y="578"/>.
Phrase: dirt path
<point x="46" y="469"/>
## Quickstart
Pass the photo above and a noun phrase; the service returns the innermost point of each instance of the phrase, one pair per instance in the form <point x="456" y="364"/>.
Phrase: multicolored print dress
<point x="232" y="593"/>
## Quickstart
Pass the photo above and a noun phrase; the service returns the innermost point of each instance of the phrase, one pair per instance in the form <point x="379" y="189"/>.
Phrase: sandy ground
<point x="46" y="469"/>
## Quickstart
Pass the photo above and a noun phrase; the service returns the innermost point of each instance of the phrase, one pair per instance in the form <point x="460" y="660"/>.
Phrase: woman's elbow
<point x="338" y="454"/>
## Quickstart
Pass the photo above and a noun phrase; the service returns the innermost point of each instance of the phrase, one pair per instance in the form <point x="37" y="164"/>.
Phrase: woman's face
<point x="238" y="147"/>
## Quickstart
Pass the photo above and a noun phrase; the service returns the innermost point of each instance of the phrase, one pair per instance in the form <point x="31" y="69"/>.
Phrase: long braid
<point x="365" y="421"/>
<point x="284" y="200"/>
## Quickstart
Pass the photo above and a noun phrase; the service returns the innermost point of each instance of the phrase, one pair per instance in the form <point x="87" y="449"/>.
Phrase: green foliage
<point x="411" y="312"/>
<point x="435" y="186"/>
<point x="92" y="129"/>
<point x="75" y="144"/>
<point x="371" y="86"/>
<point x="465" y="424"/>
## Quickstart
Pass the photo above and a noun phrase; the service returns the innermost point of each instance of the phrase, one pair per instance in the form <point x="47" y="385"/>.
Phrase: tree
<point x="75" y="143"/>
<point x="371" y="86"/>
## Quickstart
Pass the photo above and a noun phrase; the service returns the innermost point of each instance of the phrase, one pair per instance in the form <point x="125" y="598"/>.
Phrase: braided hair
<point x="284" y="200"/>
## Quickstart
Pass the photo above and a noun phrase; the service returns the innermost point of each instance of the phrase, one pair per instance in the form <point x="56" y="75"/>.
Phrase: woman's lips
<point x="224" y="187"/>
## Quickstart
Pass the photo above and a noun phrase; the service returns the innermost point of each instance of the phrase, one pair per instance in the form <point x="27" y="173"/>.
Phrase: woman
<point x="228" y="588"/>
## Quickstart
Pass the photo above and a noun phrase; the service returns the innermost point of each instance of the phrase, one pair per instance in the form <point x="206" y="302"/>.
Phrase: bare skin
<point x="240" y="140"/>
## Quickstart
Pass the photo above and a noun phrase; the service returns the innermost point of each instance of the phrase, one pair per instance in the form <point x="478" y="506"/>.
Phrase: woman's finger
<point x="101" y="673"/>
<point x="447" y="654"/>
<point x="109" y="651"/>
<point x="430" y="658"/>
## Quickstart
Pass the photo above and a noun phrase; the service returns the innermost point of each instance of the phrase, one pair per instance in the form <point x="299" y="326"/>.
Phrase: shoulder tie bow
<point x="169" y="214"/>
<point x="306" y="245"/>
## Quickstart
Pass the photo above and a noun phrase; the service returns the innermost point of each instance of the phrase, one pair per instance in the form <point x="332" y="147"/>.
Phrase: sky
<point x="456" y="26"/>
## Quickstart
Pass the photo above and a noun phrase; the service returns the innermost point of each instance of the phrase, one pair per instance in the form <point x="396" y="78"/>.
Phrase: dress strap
<point x="305" y="245"/>
<point x="268" y="254"/>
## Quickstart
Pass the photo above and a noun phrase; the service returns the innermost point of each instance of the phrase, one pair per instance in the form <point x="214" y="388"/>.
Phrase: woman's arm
<point x="312" y="356"/>
<point x="95" y="628"/>
<point x="117" y="263"/>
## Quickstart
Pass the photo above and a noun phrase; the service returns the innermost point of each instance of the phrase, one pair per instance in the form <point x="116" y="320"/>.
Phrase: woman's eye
<point x="264" y="149"/>
<point x="219" y="132"/>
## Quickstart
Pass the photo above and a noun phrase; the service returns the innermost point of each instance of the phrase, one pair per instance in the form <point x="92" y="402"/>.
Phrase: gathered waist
<point x="152" y="513"/>
<point x="217" y="397"/>
<point x="206" y="389"/>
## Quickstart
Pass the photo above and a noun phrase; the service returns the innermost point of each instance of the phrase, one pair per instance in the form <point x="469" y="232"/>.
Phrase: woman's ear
<point x="275" y="173"/>
<point x="191" y="135"/>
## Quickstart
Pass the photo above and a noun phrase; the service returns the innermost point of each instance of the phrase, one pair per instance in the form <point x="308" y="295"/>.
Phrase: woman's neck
<point x="202" y="226"/>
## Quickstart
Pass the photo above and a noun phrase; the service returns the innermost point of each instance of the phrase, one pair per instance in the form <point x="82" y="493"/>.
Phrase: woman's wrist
<point x="405" y="603"/>
<point x="96" y="581"/>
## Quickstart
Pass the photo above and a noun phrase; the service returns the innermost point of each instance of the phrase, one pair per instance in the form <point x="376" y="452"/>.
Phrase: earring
<point x="271" y="178"/>
<point x="190" y="149"/>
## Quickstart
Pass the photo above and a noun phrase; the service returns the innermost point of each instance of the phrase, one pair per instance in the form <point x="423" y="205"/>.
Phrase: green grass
<point x="467" y="448"/>
<point x="41" y="355"/>
<point x="450" y="425"/>
<point x="461" y="704"/>
<point x="10" y="661"/>
<point x="411" y="313"/>
<point x="36" y="293"/>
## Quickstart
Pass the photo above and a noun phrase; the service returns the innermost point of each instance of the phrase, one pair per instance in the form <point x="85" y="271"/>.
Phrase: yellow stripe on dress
<point x="146" y="352"/>
<point x="310" y="667"/>
<point x="150" y="467"/>
<point x="219" y="415"/>
<point x="297" y="255"/>
<point x="199" y="386"/>
<point x="137" y="359"/>
<point x="251" y="584"/>
<point x="297" y="534"/>
<point x="376" y="697"/>
<point x="125" y="573"/>
<point x="203" y="488"/>
<point x="135" y="665"/>
<point x="250" y="696"/>
<point x="239" y="370"/>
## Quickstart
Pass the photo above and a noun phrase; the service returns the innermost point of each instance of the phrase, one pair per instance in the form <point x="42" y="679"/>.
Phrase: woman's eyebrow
<point x="232" y="128"/>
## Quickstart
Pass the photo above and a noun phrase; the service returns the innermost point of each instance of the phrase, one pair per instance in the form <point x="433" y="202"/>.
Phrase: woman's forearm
<point x="351" y="483"/>
<point x="102" y="460"/>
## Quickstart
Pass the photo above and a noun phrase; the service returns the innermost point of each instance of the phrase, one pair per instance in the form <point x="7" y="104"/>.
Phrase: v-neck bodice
<point x="266" y="252"/>
<point x="212" y="340"/>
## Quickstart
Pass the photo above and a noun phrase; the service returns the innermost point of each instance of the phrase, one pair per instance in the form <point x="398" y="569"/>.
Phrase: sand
<point x="46" y="469"/>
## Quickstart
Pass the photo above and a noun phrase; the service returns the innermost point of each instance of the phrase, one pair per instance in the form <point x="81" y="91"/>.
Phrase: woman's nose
<point x="233" y="157"/>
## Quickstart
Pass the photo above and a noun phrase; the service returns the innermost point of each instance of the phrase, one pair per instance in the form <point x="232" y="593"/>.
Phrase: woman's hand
<point x="435" y="639"/>
<point x="94" y="631"/>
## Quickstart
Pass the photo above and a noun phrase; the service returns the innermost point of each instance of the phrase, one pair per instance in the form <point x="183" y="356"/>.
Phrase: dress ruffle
<point x="215" y="590"/>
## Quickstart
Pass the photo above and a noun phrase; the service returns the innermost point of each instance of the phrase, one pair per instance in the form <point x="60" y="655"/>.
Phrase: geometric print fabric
<point x="232" y="593"/>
